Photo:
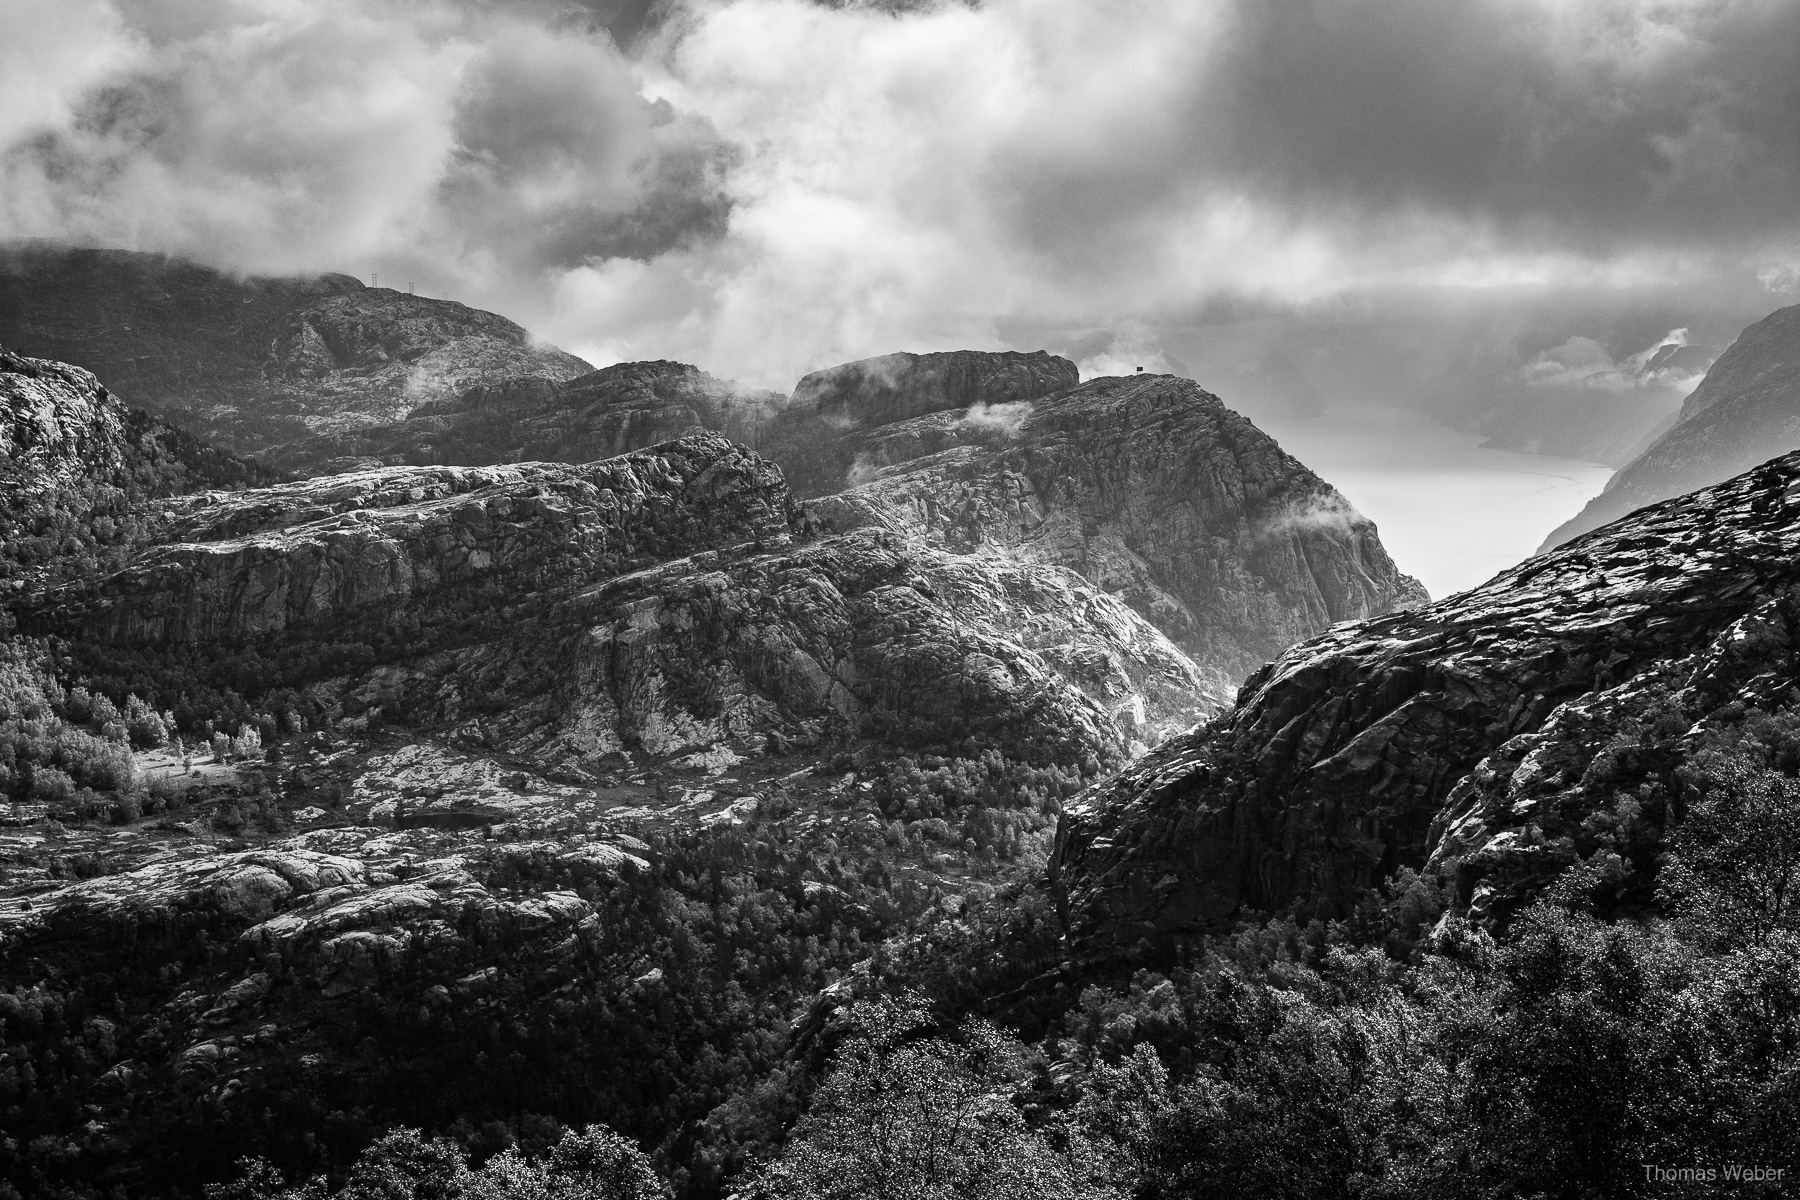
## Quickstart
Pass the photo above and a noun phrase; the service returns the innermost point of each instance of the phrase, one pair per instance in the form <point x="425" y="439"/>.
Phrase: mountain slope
<point x="77" y="466"/>
<point x="611" y="411"/>
<point x="656" y="603"/>
<point x="251" y="362"/>
<point x="1154" y="490"/>
<point x="1744" y="412"/>
<point x="816" y="436"/>
<point x="1491" y="739"/>
<point x="1146" y="485"/>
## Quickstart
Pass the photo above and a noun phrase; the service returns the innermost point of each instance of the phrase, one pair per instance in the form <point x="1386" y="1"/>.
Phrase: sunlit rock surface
<point x="1477" y="738"/>
<point x="1155" y="491"/>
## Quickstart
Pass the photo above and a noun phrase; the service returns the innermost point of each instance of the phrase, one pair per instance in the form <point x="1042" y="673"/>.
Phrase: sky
<point x="1484" y="213"/>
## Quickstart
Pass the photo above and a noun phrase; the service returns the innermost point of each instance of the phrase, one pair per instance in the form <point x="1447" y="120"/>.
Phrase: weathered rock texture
<point x="1491" y="739"/>
<point x="343" y="920"/>
<point x="61" y="428"/>
<point x="378" y="548"/>
<point x="78" y="468"/>
<point x="1152" y="489"/>
<point x="598" y="415"/>
<point x="816" y="437"/>
<point x="252" y="362"/>
<point x="656" y="603"/>
<point x="844" y="639"/>
<point x="1744" y="412"/>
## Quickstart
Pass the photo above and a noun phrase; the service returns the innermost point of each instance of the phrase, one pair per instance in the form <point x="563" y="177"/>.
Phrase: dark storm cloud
<point x="555" y="164"/>
<point x="1587" y="128"/>
<point x="1663" y="121"/>
<point x="460" y="143"/>
<point x="770" y="185"/>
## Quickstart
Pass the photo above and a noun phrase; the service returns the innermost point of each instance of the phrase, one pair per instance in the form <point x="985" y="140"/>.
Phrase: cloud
<point x="1126" y="350"/>
<point x="1004" y="419"/>
<point x="1327" y="512"/>
<point x="1585" y="363"/>
<point x="766" y="187"/>
<point x="458" y="145"/>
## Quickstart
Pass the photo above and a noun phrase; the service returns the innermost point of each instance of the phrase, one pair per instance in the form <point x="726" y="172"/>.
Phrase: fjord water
<point x="1451" y="512"/>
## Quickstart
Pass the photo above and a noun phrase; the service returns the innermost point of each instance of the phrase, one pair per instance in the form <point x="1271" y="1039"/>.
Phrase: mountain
<point x="78" y="470"/>
<point x="1487" y="741"/>
<point x="1118" y="479"/>
<point x="251" y="362"/>
<point x="619" y="408"/>
<point x="668" y="601"/>
<point x="649" y="606"/>
<point x="817" y="436"/>
<point x="1746" y="410"/>
<point x="1151" y="488"/>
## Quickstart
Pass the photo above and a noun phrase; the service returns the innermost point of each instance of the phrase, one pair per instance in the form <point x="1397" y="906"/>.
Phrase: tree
<point x="905" y="1116"/>
<point x="592" y="1164"/>
<point x="406" y="1165"/>
<point x="1733" y="867"/>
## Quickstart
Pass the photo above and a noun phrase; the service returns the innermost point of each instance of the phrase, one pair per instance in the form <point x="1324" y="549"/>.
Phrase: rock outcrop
<point x="598" y="415"/>
<point x="818" y="435"/>
<point x="1490" y="740"/>
<point x="654" y="604"/>
<point x="1744" y="412"/>
<point x="1155" y="491"/>
<point x="844" y="640"/>
<point x="659" y="603"/>
<point x="252" y="362"/>
<point x="78" y="470"/>
<point x="378" y="548"/>
<point x="342" y="907"/>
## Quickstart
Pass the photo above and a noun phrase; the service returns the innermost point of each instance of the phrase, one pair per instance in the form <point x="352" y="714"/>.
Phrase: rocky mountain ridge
<point x="1488" y="741"/>
<point x="1153" y="489"/>
<point x="669" y="601"/>
<point x="604" y="413"/>
<point x="251" y="362"/>
<point x="1745" y="411"/>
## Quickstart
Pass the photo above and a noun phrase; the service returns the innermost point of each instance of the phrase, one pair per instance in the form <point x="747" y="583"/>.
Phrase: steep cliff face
<point x="77" y="466"/>
<point x="57" y="425"/>
<point x="380" y="547"/>
<point x="1745" y="411"/>
<point x="894" y="387"/>
<point x="658" y="603"/>
<point x="252" y="362"/>
<point x="598" y="415"/>
<point x="1155" y="491"/>
<point x="818" y="435"/>
<point x="505" y="611"/>
<point x="1491" y="739"/>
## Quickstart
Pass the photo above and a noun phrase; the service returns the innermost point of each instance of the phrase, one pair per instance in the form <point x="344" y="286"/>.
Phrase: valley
<point x="440" y="776"/>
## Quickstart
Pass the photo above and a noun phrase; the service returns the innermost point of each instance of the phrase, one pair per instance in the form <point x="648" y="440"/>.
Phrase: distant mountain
<point x="819" y="434"/>
<point x="620" y="408"/>
<point x="1577" y="402"/>
<point x="1744" y="412"/>
<point x="251" y="362"/>
<point x="1488" y="741"/>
